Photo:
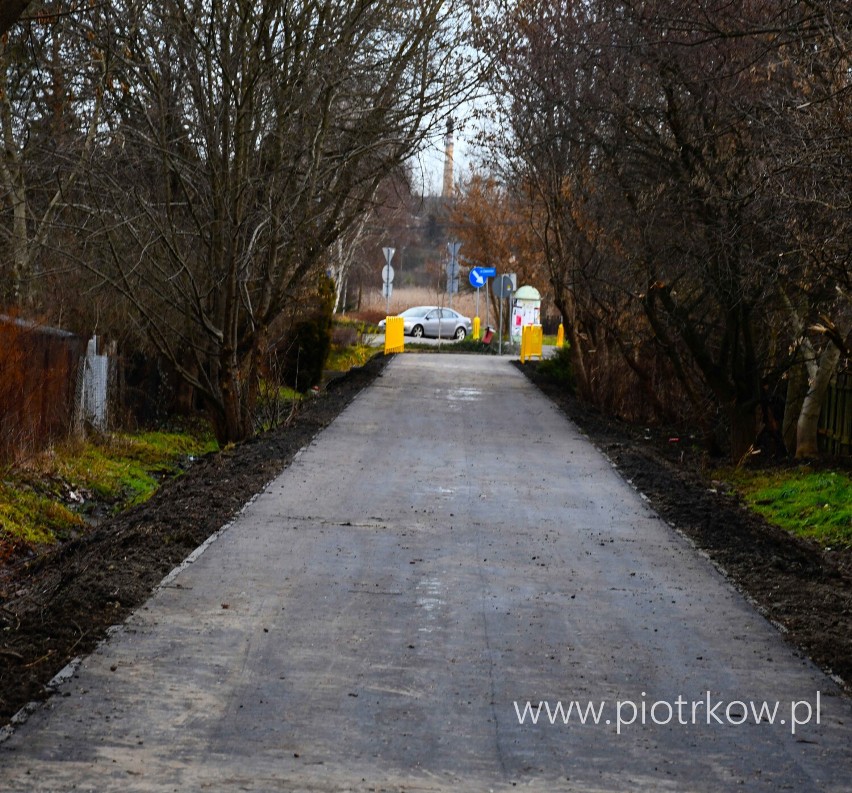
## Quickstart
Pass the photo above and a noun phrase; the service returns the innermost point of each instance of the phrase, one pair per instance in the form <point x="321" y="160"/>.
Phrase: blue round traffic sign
<point x="477" y="279"/>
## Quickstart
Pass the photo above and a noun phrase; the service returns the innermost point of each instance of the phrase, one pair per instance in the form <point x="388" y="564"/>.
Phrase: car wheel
<point x="417" y="331"/>
<point x="460" y="333"/>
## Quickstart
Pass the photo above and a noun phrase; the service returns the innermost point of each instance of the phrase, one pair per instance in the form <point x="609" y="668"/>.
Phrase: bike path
<point x="449" y="549"/>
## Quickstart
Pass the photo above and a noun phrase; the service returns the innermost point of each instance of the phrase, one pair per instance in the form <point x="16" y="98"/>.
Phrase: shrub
<point x="344" y="335"/>
<point x="307" y="346"/>
<point x="468" y="345"/>
<point x="558" y="369"/>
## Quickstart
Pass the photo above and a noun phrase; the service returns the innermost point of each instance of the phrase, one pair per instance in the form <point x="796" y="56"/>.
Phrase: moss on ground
<point x="50" y="498"/>
<point x="32" y="519"/>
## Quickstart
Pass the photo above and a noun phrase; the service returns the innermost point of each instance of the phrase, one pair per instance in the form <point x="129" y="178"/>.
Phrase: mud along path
<point x="449" y="589"/>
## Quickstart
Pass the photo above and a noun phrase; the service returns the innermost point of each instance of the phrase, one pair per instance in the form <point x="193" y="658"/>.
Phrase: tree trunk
<point x="229" y="421"/>
<point x="743" y="429"/>
<point x="797" y="388"/>
<point x="14" y="185"/>
<point x="806" y="428"/>
<point x="339" y="290"/>
<point x="578" y="361"/>
<point x="20" y="242"/>
<point x="184" y="397"/>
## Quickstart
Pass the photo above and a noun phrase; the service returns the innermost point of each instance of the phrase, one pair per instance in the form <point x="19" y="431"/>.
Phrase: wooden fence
<point x="835" y="421"/>
<point x="38" y="378"/>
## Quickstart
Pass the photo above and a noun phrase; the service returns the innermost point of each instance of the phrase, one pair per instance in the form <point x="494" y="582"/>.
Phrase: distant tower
<point x="447" y="191"/>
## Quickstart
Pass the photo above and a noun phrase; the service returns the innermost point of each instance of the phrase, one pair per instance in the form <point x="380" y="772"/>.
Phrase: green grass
<point x="343" y="358"/>
<point x="811" y="503"/>
<point x="112" y="473"/>
<point x="360" y="326"/>
<point x="283" y="393"/>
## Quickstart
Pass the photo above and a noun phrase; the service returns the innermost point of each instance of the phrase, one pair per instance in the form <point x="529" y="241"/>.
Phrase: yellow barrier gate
<point x="394" y="335"/>
<point x="531" y="342"/>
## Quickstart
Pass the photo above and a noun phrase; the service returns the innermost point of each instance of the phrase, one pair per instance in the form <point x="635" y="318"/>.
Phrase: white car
<point x="433" y="321"/>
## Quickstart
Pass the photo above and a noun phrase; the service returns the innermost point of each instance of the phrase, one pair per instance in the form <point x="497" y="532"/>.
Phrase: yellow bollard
<point x="560" y="336"/>
<point x="536" y="342"/>
<point x="476" y="328"/>
<point x="394" y="335"/>
<point x="531" y="342"/>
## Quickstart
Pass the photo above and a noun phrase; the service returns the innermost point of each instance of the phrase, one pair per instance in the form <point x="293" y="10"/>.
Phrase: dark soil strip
<point x="794" y="582"/>
<point x="59" y="605"/>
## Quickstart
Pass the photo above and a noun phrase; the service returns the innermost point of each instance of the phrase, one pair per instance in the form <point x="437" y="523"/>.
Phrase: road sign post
<point x="504" y="286"/>
<point x="478" y="278"/>
<point x="477" y="282"/>
<point x="500" y="330"/>
<point x="453" y="270"/>
<point x="387" y="277"/>
<point x="476" y="334"/>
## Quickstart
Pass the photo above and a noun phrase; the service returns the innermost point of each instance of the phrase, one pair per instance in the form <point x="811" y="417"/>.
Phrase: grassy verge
<point x="343" y="357"/>
<point x="29" y="518"/>
<point x="57" y="493"/>
<point x="808" y="502"/>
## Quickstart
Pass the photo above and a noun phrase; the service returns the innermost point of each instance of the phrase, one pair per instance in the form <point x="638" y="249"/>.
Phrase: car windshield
<point x="419" y="311"/>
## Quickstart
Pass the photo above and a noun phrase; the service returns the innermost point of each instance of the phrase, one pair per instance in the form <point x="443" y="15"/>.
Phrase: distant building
<point x="447" y="191"/>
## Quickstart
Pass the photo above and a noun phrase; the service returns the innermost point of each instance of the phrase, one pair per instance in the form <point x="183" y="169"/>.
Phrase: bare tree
<point x="254" y="135"/>
<point x="51" y="110"/>
<point x="646" y="136"/>
<point x="811" y="205"/>
<point x="495" y="231"/>
<point x="544" y="76"/>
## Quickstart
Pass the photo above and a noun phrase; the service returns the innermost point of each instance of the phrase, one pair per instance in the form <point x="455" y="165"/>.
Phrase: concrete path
<point x="449" y="549"/>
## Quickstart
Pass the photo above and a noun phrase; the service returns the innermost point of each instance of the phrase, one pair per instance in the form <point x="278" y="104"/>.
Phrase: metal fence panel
<point x="835" y="422"/>
<point x="38" y="372"/>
